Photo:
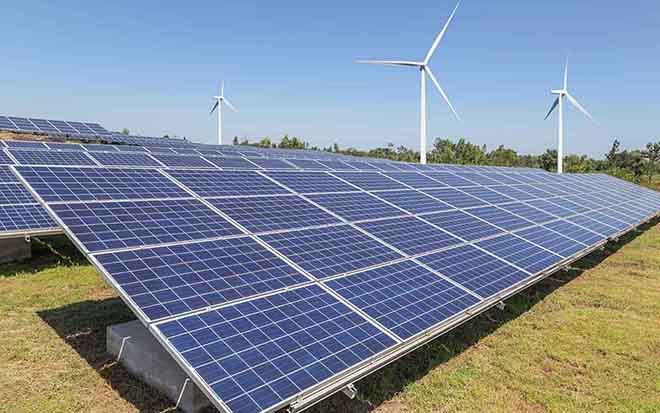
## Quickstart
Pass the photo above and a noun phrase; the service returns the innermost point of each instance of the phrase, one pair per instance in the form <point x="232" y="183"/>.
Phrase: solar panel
<point x="462" y="225"/>
<point x="369" y="181"/>
<point x="477" y="178"/>
<point x="310" y="182"/>
<point x="575" y="232"/>
<point x="64" y="127"/>
<point x="113" y="225"/>
<point x="551" y="240"/>
<point x="269" y="163"/>
<point x="98" y="147"/>
<point x="172" y="280"/>
<point x="513" y="192"/>
<point x="232" y="163"/>
<point x="325" y="252"/>
<point x="336" y="165"/>
<point x="131" y="148"/>
<point x="551" y="208"/>
<point x="487" y="195"/>
<point x="307" y="164"/>
<point x="475" y="270"/>
<point x="386" y="166"/>
<point x="410" y="235"/>
<point x="125" y="159"/>
<point x="356" y="206"/>
<point x="454" y="197"/>
<point x="227" y="183"/>
<point x="182" y="161"/>
<point x="529" y="213"/>
<point x="593" y="225"/>
<point x="449" y="179"/>
<point x="14" y="193"/>
<point x="25" y="145"/>
<point x="296" y="340"/>
<point x="413" y="201"/>
<point x="361" y="166"/>
<point x="6" y="175"/>
<point x="6" y="124"/>
<point x="415" y="180"/>
<point x="521" y="253"/>
<point x="52" y="158"/>
<point x="272" y="213"/>
<point x="501" y="218"/>
<point x="25" y="217"/>
<point x="23" y="124"/>
<point x="5" y="159"/>
<point x="86" y="184"/>
<point x="405" y="297"/>
<point x="501" y="178"/>
<point x="65" y="146"/>
<point x="44" y="125"/>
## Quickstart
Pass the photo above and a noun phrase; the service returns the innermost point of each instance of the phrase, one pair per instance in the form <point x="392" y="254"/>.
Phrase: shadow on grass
<point x="47" y="252"/>
<point x="83" y="326"/>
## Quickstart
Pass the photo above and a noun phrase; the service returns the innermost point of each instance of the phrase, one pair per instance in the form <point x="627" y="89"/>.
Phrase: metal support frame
<point x="501" y="306"/>
<point x="350" y="391"/>
<point x="183" y="389"/>
<point x="123" y="345"/>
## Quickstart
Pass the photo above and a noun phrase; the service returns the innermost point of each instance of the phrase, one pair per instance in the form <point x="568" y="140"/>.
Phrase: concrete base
<point x="145" y="358"/>
<point x="15" y="249"/>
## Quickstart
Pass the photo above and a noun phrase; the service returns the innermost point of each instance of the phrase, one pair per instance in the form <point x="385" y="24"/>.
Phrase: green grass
<point x="582" y="340"/>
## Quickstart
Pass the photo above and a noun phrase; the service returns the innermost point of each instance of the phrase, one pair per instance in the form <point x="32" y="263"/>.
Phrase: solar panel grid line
<point x="8" y="154"/>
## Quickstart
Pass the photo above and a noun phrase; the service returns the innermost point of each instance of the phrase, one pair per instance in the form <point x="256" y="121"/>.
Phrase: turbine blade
<point x="554" y="105"/>
<point x="214" y="107"/>
<point x="580" y="108"/>
<point x="390" y="62"/>
<point x="222" y="88"/>
<point x="566" y="75"/>
<point x="225" y="101"/>
<point x="442" y="92"/>
<point x="440" y="35"/>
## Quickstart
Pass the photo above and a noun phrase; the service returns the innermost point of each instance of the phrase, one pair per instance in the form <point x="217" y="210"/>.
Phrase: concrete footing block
<point x="15" y="249"/>
<point x="144" y="357"/>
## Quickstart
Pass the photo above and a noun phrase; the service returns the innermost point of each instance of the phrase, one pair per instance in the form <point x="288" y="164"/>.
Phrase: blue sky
<point x="152" y="66"/>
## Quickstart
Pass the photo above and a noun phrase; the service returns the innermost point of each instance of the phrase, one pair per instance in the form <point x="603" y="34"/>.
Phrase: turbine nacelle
<point x="559" y="92"/>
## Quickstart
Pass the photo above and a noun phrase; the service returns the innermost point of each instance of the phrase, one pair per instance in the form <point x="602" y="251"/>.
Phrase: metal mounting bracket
<point x="183" y="389"/>
<point x="501" y="305"/>
<point x="350" y="391"/>
<point x="123" y="345"/>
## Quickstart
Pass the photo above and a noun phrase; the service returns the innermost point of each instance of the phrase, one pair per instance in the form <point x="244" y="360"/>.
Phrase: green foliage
<point x="652" y="156"/>
<point x="125" y="131"/>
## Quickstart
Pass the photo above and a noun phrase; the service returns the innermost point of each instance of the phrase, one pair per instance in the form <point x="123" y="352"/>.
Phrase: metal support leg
<point x="350" y="391"/>
<point x="183" y="388"/>
<point x="501" y="305"/>
<point x="123" y="344"/>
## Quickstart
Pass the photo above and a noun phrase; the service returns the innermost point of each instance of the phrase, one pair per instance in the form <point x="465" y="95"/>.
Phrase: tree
<point x="548" y="160"/>
<point x="503" y="157"/>
<point x="652" y="156"/>
<point x="613" y="155"/>
<point x="265" y="143"/>
<point x="125" y="131"/>
<point x="235" y="141"/>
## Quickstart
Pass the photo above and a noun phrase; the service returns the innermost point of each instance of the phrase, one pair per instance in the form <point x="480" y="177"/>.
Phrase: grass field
<point x="587" y="339"/>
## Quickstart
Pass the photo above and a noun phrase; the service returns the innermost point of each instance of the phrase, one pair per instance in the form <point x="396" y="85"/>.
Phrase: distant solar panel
<point x="521" y="253"/>
<point x="7" y="124"/>
<point x="64" y="127"/>
<point x="512" y="192"/>
<point x="501" y="178"/>
<point x="356" y="206"/>
<point x="414" y="202"/>
<point x="477" y="178"/>
<point x="125" y="159"/>
<point x="501" y="218"/>
<point x="410" y="235"/>
<point x="449" y="179"/>
<point x="462" y="225"/>
<point x="270" y="163"/>
<point x="25" y="157"/>
<point x="551" y="240"/>
<point x="336" y="165"/>
<point x="475" y="270"/>
<point x="297" y="339"/>
<point x="454" y="197"/>
<point x="487" y="195"/>
<point x="44" y="125"/>
<point x="551" y="208"/>
<point x="232" y="163"/>
<point x="307" y="164"/>
<point x="24" y="124"/>
<point x="529" y="213"/>
<point x="311" y="182"/>
<point x="361" y="166"/>
<point x="324" y="252"/>
<point x="404" y="297"/>
<point x="74" y="147"/>
<point x="370" y="181"/>
<point x="85" y="184"/>
<point x="575" y="232"/>
<point x="272" y="213"/>
<point x="182" y="161"/>
<point x="227" y="183"/>
<point x="15" y="193"/>
<point x="26" y="145"/>
<point x="112" y="225"/>
<point x="98" y="147"/>
<point x="415" y="180"/>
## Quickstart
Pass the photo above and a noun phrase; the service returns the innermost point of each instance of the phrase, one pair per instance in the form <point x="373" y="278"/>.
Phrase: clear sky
<point x="152" y="66"/>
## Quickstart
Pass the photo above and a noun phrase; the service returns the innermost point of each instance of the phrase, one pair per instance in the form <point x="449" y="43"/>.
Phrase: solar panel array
<point x="271" y="284"/>
<point x="53" y="127"/>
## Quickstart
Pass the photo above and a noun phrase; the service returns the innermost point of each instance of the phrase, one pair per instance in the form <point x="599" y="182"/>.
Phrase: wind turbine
<point x="219" y="101"/>
<point x="561" y="93"/>
<point x="424" y="69"/>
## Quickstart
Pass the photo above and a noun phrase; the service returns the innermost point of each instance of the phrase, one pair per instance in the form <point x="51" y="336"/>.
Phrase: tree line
<point x="634" y="165"/>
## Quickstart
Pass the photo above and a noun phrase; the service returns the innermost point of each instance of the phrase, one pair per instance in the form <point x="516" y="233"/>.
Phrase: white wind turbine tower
<point x="219" y="101"/>
<point x="561" y="93"/>
<point x="424" y="69"/>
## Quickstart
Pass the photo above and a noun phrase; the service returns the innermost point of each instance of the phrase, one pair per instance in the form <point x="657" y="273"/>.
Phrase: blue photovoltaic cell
<point x="44" y="125"/>
<point x="6" y="175"/>
<point x="270" y="163"/>
<point x="608" y="220"/>
<point x="477" y="178"/>
<point x="86" y="184"/>
<point x="99" y="147"/>
<point x="73" y="147"/>
<point x="64" y="127"/>
<point x="410" y="235"/>
<point x="167" y="281"/>
<point x="487" y="195"/>
<point x="52" y="158"/>
<point x="449" y="179"/>
<point x="475" y="269"/>
<point x="533" y="191"/>
<point x="399" y="166"/>
<point x="262" y="214"/>
<point x="260" y="354"/>
<point x="454" y="197"/>
<point x="551" y="240"/>
<point x="362" y="166"/>
<point x="579" y="203"/>
<point x="404" y="297"/>
<point x="415" y="180"/>
<point x="501" y="178"/>
<point x="551" y="208"/>
<point x="5" y="159"/>
<point x="414" y="202"/>
<point x="111" y="225"/>
<point x="593" y="225"/>
<point x="525" y="178"/>
<point x="501" y="218"/>
<point x="529" y="213"/>
<point x="182" y="161"/>
<point x="369" y="181"/>
<point x="6" y="124"/>
<point x="308" y="164"/>
<point x="462" y="225"/>
<point x="26" y="145"/>
<point x="15" y="193"/>
<point x="131" y="148"/>
<point x="521" y="253"/>
<point x="24" y="218"/>
<point x="324" y="252"/>
<point x="232" y="163"/>
<point x="22" y="124"/>
<point x="311" y="182"/>
<point x="387" y="166"/>
<point x="336" y="165"/>
<point x="227" y="183"/>
<point x="124" y="159"/>
<point x="513" y="192"/>
<point x="356" y="206"/>
<point x="575" y="232"/>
